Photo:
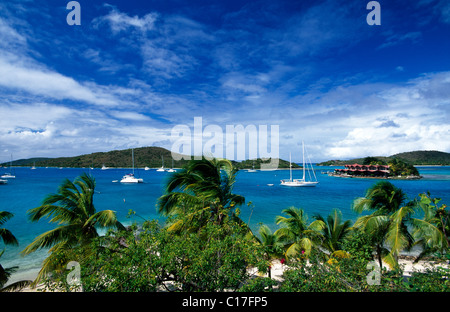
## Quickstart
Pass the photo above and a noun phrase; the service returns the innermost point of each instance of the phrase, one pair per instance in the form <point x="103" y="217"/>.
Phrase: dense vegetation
<point x="205" y="246"/>
<point x="152" y="157"/>
<point x="411" y="158"/>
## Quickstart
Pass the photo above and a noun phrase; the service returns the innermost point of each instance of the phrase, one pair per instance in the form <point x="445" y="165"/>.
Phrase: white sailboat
<point x="253" y="168"/>
<point x="303" y="181"/>
<point x="34" y="167"/>
<point x="130" y="178"/>
<point x="9" y="175"/>
<point x="171" y="169"/>
<point x="162" y="167"/>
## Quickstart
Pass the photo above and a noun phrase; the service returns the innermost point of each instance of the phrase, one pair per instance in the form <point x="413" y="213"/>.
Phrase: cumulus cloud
<point x="419" y="121"/>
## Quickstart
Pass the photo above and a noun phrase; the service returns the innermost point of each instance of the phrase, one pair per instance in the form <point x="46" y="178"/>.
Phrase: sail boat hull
<point x="129" y="178"/>
<point x="298" y="183"/>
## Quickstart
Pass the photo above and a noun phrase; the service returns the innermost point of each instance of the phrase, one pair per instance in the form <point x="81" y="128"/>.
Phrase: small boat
<point x="162" y="167"/>
<point x="253" y="168"/>
<point x="300" y="182"/>
<point x="34" y="167"/>
<point x="3" y="181"/>
<point x="146" y="168"/>
<point x="8" y="175"/>
<point x="130" y="178"/>
<point x="171" y="169"/>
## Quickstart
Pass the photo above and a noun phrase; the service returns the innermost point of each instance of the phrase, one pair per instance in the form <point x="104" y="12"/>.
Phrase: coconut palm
<point x="387" y="225"/>
<point x="201" y="192"/>
<point x="299" y="236"/>
<point x="273" y="246"/>
<point x="8" y="239"/>
<point x="5" y="274"/>
<point x="334" y="232"/>
<point x="5" y="235"/>
<point x="433" y="230"/>
<point x="72" y="207"/>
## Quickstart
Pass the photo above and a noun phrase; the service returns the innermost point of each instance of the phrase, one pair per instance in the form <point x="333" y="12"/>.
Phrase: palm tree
<point x="298" y="235"/>
<point x="201" y="192"/>
<point x="387" y="225"/>
<point x="5" y="274"/>
<point x="432" y="231"/>
<point x="272" y="244"/>
<point x="8" y="239"/>
<point x="72" y="207"/>
<point x="6" y="236"/>
<point x="334" y="232"/>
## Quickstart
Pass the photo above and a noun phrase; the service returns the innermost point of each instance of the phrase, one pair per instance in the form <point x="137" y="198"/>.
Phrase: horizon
<point x="131" y="72"/>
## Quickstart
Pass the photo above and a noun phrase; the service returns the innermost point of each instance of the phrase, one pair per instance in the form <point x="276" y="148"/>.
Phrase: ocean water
<point x="30" y="187"/>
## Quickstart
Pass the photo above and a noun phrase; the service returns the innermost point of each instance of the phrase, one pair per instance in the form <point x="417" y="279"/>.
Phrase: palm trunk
<point x="380" y="261"/>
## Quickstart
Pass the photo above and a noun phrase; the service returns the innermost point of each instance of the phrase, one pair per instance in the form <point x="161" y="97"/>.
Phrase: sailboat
<point x="253" y="168"/>
<point x="300" y="182"/>
<point x="162" y="167"/>
<point x="34" y="167"/>
<point x="130" y="178"/>
<point x="9" y="175"/>
<point x="171" y="169"/>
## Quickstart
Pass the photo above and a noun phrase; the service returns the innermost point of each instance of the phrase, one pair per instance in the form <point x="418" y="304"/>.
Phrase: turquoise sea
<point x="29" y="188"/>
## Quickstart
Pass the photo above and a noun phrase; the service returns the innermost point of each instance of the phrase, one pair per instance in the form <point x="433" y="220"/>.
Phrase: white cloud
<point x="119" y="21"/>
<point x="412" y="118"/>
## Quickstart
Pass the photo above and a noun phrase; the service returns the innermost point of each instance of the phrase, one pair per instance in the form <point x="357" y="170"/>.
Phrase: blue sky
<point x="135" y="69"/>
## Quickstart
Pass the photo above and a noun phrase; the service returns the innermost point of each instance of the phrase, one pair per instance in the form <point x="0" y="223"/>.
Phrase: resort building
<point x="364" y="170"/>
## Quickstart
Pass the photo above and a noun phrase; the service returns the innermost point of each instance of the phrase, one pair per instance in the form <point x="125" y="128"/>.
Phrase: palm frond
<point x="53" y="237"/>
<point x="17" y="286"/>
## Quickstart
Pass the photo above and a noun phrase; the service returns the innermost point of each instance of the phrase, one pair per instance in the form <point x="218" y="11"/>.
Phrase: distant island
<point x="396" y="166"/>
<point x="415" y="158"/>
<point x="152" y="157"/>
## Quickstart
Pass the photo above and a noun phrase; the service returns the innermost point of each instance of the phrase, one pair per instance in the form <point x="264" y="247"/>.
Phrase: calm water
<point x="31" y="186"/>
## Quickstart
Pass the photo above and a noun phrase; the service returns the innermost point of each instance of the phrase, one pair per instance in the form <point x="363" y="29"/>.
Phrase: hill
<point x="424" y="157"/>
<point x="415" y="158"/>
<point x="152" y="157"/>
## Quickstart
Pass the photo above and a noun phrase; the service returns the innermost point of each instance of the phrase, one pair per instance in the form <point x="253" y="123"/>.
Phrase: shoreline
<point x="383" y="178"/>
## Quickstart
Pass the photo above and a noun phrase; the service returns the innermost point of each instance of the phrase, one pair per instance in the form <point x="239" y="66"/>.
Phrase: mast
<point x="303" y="148"/>
<point x="290" y="167"/>
<point x="132" y="156"/>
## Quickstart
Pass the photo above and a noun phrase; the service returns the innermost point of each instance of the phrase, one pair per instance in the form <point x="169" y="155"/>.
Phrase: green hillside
<point x="413" y="158"/>
<point x="152" y="157"/>
<point x="424" y="157"/>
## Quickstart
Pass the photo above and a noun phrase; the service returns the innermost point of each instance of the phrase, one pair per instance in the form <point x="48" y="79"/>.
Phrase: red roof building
<point x="364" y="170"/>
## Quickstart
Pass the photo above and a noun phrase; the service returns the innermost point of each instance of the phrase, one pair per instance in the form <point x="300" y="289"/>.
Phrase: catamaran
<point x="300" y="182"/>
<point x="130" y="178"/>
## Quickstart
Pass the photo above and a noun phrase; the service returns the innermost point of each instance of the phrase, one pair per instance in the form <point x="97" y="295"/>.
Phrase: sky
<point x="132" y="71"/>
